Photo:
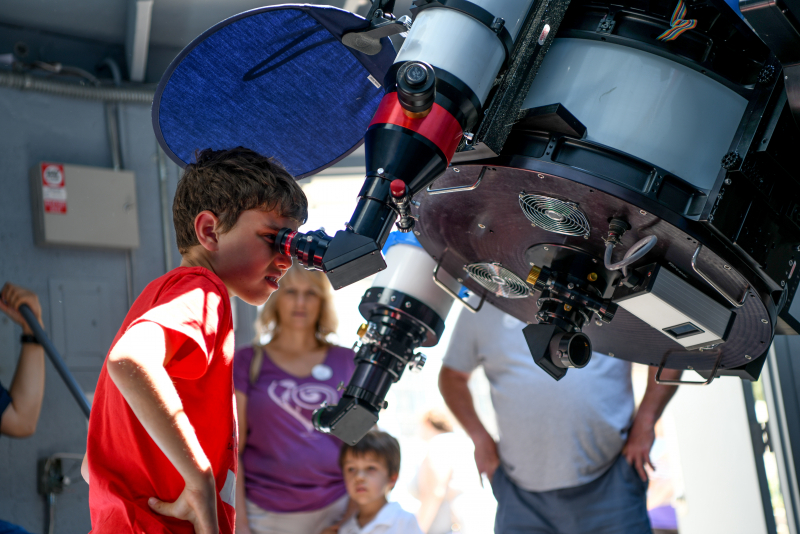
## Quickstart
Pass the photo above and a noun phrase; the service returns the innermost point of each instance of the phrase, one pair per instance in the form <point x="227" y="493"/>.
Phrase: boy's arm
<point x="136" y="365"/>
<point x="85" y="467"/>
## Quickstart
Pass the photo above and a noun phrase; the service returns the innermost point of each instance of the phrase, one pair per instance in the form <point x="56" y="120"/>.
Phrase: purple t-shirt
<point x="289" y="466"/>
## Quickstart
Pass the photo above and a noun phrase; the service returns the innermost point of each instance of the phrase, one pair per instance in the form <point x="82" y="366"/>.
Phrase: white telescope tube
<point x="408" y="270"/>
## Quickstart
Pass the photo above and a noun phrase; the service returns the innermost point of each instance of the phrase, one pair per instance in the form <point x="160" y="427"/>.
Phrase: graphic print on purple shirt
<point x="300" y="400"/>
<point x="289" y="466"/>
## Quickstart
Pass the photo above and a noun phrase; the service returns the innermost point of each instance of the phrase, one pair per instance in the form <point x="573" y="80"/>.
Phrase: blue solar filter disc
<point x="276" y="80"/>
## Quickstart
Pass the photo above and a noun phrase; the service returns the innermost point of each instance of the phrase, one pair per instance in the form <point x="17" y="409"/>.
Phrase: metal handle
<point x="686" y="382"/>
<point x="715" y="286"/>
<point x="59" y="364"/>
<point x="457" y="188"/>
<point x="453" y="293"/>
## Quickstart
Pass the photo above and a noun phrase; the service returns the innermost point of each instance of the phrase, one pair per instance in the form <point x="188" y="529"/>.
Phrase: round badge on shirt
<point x="321" y="372"/>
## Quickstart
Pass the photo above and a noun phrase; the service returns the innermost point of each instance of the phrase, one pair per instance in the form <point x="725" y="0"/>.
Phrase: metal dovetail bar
<point x="457" y="188"/>
<point x="452" y="293"/>
<point x="715" y="286"/>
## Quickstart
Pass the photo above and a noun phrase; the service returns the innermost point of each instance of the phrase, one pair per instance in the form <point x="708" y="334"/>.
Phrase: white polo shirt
<point x="392" y="519"/>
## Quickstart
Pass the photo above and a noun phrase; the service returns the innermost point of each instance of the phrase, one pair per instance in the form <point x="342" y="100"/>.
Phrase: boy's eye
<point x="270" y="238"/>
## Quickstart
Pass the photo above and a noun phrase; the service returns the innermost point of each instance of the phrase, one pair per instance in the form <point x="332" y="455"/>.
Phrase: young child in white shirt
<point x="370" y="471"/>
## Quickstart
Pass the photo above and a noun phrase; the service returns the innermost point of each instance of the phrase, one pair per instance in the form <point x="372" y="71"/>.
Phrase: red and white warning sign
<point x="54" y="191"/>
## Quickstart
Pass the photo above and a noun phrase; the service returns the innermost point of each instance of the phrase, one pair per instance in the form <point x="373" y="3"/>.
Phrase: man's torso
<point x="553" y="434"/>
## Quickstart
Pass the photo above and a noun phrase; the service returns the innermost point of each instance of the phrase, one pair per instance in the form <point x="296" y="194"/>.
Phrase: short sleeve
<point x="5" y="399"/>
<point x="193" y="312"/>
<point x="241" y="369"/>
<point x="462" y="351"/>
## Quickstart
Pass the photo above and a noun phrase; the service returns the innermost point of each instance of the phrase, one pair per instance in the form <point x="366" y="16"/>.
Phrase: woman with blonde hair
<point x="288" y="472"/>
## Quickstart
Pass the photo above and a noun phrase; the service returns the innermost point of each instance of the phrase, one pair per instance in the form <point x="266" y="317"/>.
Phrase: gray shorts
<point x="615" y="503"/>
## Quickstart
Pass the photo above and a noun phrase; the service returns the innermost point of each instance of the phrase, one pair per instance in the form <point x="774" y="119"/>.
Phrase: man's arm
<point x="19" y="419"/>
<point x="454" y="388"/>
<point x="136" y="365"/>
<point x="642" y="433"/>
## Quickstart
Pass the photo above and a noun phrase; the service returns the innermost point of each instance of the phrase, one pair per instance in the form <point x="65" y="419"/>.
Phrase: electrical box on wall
<point x="84" y="206"/>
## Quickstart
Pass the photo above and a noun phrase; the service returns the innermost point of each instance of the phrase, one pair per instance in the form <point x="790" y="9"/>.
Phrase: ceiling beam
<point x="137" y="40"/>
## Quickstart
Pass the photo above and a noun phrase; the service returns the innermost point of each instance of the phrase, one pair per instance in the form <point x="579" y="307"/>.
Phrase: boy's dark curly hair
<point x="228" y="182"/>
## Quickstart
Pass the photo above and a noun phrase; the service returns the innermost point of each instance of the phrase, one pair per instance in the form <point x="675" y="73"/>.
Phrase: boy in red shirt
<point x="162" y="446"/>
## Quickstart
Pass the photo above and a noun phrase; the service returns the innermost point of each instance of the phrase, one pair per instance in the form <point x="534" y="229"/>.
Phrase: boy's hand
<point x="12" y="297"/>
<point x="331" y="530"/>
<point x="196" y="505"/>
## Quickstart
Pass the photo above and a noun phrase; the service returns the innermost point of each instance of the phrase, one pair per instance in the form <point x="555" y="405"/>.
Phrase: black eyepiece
<point x="416" y="86"/>
<point x="416" y="75"/>
<point x="571" y="349"/>
<point x="308" y="248"/>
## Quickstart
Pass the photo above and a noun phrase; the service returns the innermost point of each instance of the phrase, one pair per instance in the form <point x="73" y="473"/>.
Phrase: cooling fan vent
<point x="499" y="280"/>
<point x="554" y="215"/>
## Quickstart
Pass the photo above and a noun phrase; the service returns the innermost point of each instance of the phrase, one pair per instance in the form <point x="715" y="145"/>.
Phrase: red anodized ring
<point x="288" y="246"/>
<point x="439" y="126"/>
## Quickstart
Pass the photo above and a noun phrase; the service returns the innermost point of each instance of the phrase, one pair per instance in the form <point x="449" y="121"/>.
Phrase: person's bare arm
<point x="19" y="419"/>
<point x="432" y="491"/>
<point x="455" y="390"/>
<point x="242" y="524"/>
<point x="642" y="433"/>
<point x="85" y="467"/>
<point x="136" y="366"/>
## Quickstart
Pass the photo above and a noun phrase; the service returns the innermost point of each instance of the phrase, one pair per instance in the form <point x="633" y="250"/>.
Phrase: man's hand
<point x="640" y="441"/>
<point x="642" y="433"/>
<point x="198" y="505"/>
<point x="486" y="457"/>
<point x="12" y="297"/>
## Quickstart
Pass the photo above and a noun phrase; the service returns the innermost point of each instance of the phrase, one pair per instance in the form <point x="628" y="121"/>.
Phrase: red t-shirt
<point x="126" y="467"/>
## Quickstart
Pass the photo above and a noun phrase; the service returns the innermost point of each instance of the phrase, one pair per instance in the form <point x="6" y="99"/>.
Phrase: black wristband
<point x="28" y="338"/>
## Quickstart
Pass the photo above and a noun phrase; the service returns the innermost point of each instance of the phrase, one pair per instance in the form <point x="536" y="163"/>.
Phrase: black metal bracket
<point x="776" y="24"/>
<point x="554" y="118"/>
<point x="379" y="8"/>
<point x="533" y="42"/>
<point x="607" y="23"/>
<point x="495" y="24"/>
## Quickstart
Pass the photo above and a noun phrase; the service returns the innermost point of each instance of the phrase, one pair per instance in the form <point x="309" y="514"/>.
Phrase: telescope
<point x="619" y="176"/>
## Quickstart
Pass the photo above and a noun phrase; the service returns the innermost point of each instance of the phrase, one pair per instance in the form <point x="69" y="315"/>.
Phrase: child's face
<point x="247" y="260"/>
<point x="366" y="478"/>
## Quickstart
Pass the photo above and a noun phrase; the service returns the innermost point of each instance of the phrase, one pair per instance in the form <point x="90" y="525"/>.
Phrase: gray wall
<point x="83" y="291"/>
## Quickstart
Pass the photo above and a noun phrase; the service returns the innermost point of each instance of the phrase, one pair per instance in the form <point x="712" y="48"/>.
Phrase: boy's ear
<point x="393" y="480"/>
<point x="205" y="228"/>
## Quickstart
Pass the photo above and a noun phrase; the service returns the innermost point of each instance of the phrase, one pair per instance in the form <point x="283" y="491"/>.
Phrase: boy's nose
<point x="283" y="261"/>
